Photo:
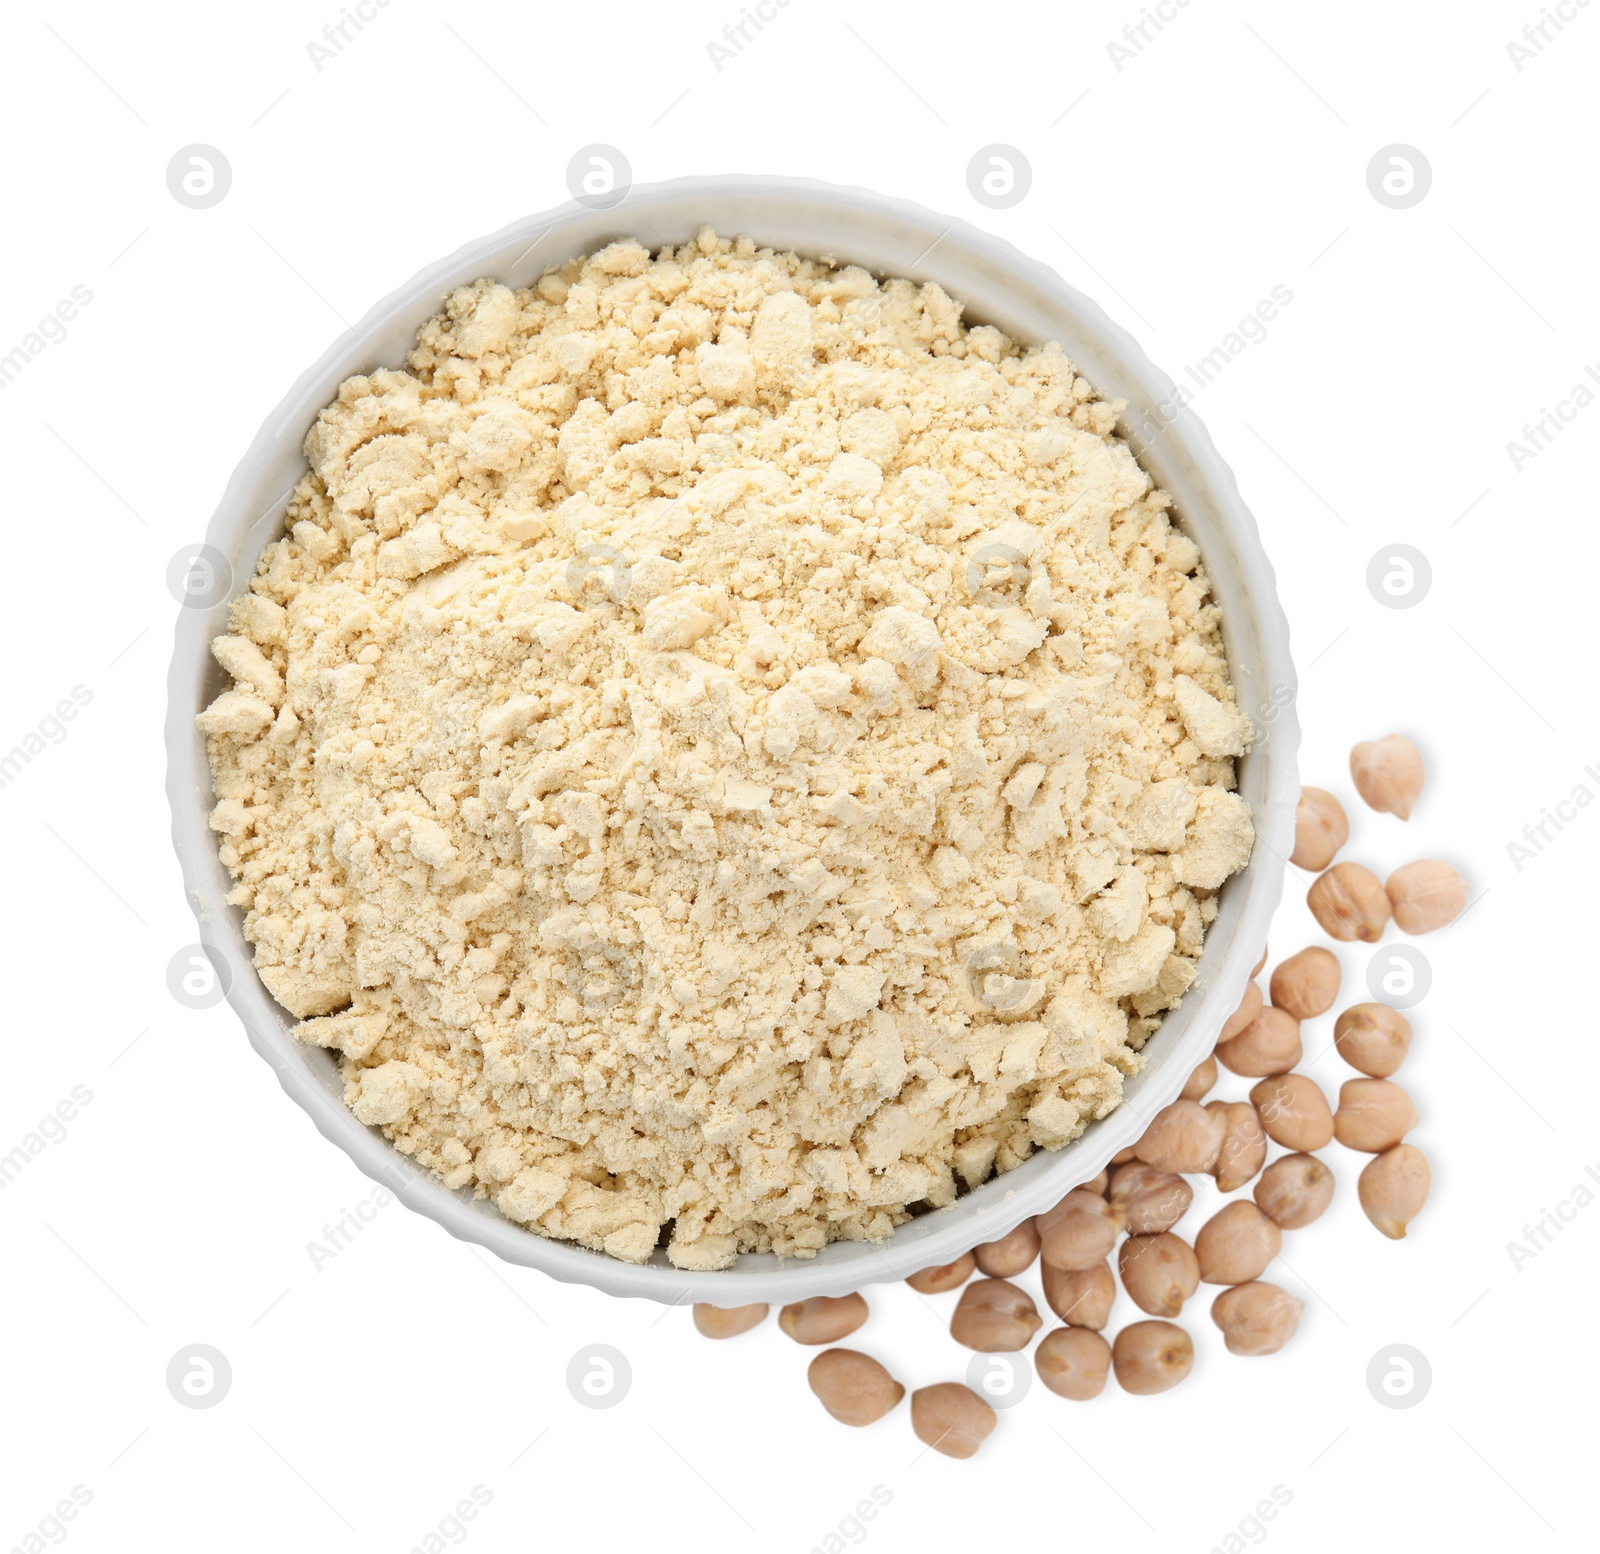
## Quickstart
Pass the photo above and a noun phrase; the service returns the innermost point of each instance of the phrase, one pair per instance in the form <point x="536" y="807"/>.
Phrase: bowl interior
<point x="997" y="285"/>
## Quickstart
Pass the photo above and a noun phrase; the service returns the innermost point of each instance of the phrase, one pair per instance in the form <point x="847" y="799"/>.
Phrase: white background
<point x="1228" y="157"/>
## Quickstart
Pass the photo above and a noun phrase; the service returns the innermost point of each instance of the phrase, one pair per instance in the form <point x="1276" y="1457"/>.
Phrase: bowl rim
<point x="1249" y="899"/>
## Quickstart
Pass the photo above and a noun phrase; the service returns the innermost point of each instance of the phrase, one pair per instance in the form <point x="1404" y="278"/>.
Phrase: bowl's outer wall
<point x="998" y="285"/>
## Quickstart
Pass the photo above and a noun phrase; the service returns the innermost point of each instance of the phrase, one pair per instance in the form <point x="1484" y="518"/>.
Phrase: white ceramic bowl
<point x="999" y="286"/>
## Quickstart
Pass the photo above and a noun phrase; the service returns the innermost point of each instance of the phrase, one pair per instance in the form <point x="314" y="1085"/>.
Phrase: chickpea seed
<point x="823" y="1319"/>
<point x="951" y="1418"/>
<point x="852" y="1386"/>
<point x="1320" y="829"/>
<point x="1152" y="1356"/>
<point x="1146" y="1200"/>
<point x="727" y="1321"/>
<point x="1011" y="1254"/>
<point x="1393" y="1188"/>
<point x="1256" y="1318"/>
<point x="1073" y="1363"/>
<point x="993" y="1316"/>
<point x="1373" y="1116"/>
<point x="1182" y="1137"/>
<point x="1236" y="1244"/>
<point x="1373" y="1038"/>
<point x="1081" y="1297"/>
<point x="1306" y="984"/>
<point x="1425" y="895"/>
<point x="1076" y="1233"/>
<point x="1200" y="1081"/>
<point x="1293" y="1111"/>
<point x="1158" y="1272"/>
<point x="1244" y="1144"/>
<point x="946" y="1276"/>
<point x="1249" y="1008"/>
<point x="1266" y="949"/>
<point x="1388" y="774"/>
<point x="1294" y="1190"/>
<point x="1350" y="903"/>
<point x="1269" y="1044"/>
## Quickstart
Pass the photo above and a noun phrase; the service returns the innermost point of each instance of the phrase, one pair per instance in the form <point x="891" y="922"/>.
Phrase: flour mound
<point x="724" y="752"/>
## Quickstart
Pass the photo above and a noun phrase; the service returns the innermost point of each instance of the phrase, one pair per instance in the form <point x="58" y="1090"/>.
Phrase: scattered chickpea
<point x="1073" y="1362"/>
<point x="946" y="1276"/>
<point x="1373" y="1115"/>
<point x="1256" y="1318"/>
<point x="1076" y="1233"/>
<point x="1350" y="903"/>
<point x="1425" y="895"/>
<point x="1373" y="1038"/>
<point x="1081" y="1297"/>
<point x="1393" y="1188"/>
<point x="1182" y="1137"/>
<point x="1011" y="1254"/>
<point x="1294" y="1191"/>
<point x="951" y="1418"/>
<point x="823" y="1319"/>
<point x="1152" y="1356"/>
<point x="1158" y="1272"/>
<point x="1269" y="1044"/>
<point x="1236" y="1244"/>
<point x="1244" y="1144"/>
<point x="1266" y="949"/>
<point x="1320" y="829"/>
<point x="1145" y="1200"/>
<point x="1122" y="1156"/>
<point x="1200" y="1081"/>
<point x="852" y="1386"/>
<point x="1388" y="774"/>
<point x="993" y="1316"/>
<point x="1098" y="1184"/>
<point x="1294" y="1111"/>
<point x="1249" y="1008"/>
<point x="1306" y="984"/>
<point x="727" y="1321"/>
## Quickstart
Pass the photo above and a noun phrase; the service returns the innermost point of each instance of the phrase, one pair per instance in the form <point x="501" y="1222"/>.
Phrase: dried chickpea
<point x="1077" y="1233"/>
<point x="1182" y="1137"/>
<point x="1320" y="829"/>
<point x="1236" y="1244"/>
<point x="1122" y="1156"/>
<point x="1158" y="1272"/>
<point x="1073" y="1363"/>
<point x="993" y="1316"/>
<point x="1200" y="1081"/>
<point x="946" y="1276"/>
<point x="1011" y="1254"/>
<point x="1373" y="1115"/>
<point x="1373" y="1038"/>
<point x="1145" y="1200"/>
<point x="951" y="1418"/>
<point x="1393" y="1188"/>
<point x="1244" y="1144"/>
<point x="1081" y="1297"/>
<point x="1388" y="774"/>
<point x="1098" y="1184"/>
<point x="1306" y="984"/>
<point x="1249" y="1008"/>
<point x="1152" y="1356"/>
<point x="1256" y="1318"/>
<point x="727" y="1321"/>
<point x="1294" y="1111"/>
<point x="1425" y="895"/>
<point x="1350" y="903"/>
<point x="823" y="1319"/>
<point x="1294" y="1191"/>
<point x="1269" y="1044"/>
<point x="852" y="1386"/>
<point x="1266" y="949"/>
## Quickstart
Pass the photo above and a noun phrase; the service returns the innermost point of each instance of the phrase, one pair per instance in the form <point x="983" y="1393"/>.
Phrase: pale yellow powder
<point x="724" y="748"/>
